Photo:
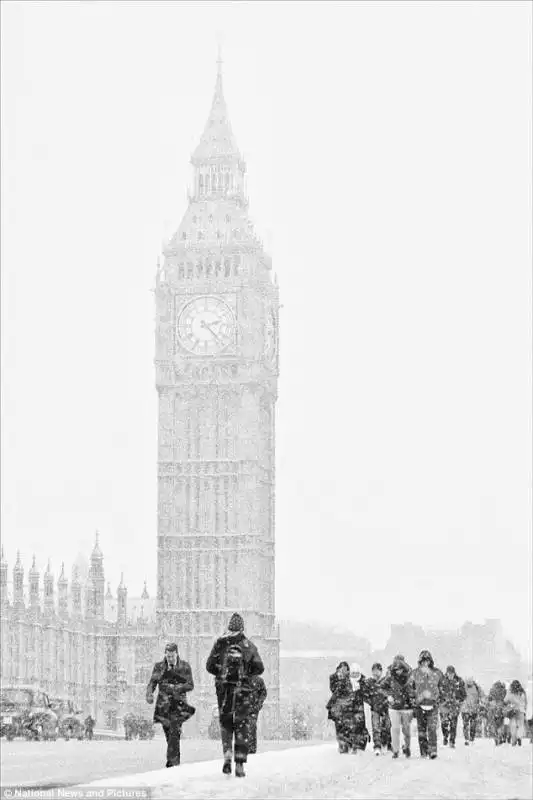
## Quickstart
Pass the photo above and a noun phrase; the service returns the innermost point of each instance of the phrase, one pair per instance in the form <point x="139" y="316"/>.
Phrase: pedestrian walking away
<point x="258" y="697"/>
<point x="173" y="679"/>
<point x="376" y="697"/>
<point x="395" y="684"/>
<point x="452" y="695"/>
<point x="425" y="688"/>
<point x="234" y="661"/>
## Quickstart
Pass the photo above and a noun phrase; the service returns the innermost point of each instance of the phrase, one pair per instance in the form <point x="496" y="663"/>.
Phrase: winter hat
<point x="451" y="669"/>
<point x="399" y="657"/>
<point x="236" y="623"/>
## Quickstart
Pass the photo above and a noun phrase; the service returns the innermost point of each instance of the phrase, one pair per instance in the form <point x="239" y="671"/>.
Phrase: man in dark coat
<point x="258" y="697"/>
<point x="234" y="661"/>
<point x="376" y="697"/>
<point x="452" y="695"/>
<point x="425" y="688"/>
<point x="173" y="678"/>
<point x="395" y="683"/>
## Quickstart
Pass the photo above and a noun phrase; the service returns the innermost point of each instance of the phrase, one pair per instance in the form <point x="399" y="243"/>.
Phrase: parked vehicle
<point x="26" y="711"/>
<point x="70" y="723"/>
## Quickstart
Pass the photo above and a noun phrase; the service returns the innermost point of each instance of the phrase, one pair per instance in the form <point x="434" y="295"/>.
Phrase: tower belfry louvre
<point x="216" y="376"/>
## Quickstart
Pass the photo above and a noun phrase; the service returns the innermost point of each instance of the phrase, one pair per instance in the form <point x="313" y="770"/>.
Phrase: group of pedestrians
<point x="403" y="694"/>
<point x="236" y="665"/>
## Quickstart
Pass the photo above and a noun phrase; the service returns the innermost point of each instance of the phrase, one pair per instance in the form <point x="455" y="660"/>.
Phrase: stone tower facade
<point x="216" y="376"/>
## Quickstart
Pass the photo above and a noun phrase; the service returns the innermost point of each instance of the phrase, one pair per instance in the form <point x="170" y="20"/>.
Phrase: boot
<point x="395" y="755"/>
<point x="432" y="756"/>
<point x="226" y="769"/>
<point x="407" y="752"/>
<point x="239" y="769"/>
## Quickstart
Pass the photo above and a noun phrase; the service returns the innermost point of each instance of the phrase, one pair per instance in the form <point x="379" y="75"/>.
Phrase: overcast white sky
<point x="388" y="147"/>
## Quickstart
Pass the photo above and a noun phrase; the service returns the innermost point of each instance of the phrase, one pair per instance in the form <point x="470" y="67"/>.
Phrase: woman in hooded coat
<point x="496" y="711"/>
<point x="425" y="686"/>
<point x="346" y="707"/>
<point x="515" y="708"/>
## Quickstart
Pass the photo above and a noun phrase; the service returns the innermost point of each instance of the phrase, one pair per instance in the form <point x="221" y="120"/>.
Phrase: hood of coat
<point x="400" y="670"/>
<point x="425" y="655"/>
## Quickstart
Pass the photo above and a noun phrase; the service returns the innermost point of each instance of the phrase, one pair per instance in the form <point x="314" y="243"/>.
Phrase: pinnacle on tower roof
<point x="18" y="563"/>
<point x="62" y="578"/>
<point x="145" y="594"/>
<point x="3" y="561"/>
<point x="96" y="553"/>
<point x="34" y="570"/>
<point x="48" y="569"/>
<point x="217" y="141"/>
<point x="76" y="576"/>
<point x="109" y="593"/>
<point x="121" y="586"/>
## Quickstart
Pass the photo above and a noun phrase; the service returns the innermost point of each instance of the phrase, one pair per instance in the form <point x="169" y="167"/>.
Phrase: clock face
<point x="206" y="326"/>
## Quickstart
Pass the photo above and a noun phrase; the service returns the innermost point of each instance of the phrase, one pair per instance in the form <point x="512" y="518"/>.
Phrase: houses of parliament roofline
<point x="84" y="599"/>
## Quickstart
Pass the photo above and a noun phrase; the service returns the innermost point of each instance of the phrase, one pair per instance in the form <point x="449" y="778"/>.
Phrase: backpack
<point x="233" y="664"/>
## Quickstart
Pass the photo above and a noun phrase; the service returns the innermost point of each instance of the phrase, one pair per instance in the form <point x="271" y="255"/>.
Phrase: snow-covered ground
<point x="481" y="771"/>
<point x="61" y="763"/>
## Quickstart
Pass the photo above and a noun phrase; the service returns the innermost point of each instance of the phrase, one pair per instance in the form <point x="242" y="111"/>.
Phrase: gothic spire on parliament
<point x="217" y="212"/>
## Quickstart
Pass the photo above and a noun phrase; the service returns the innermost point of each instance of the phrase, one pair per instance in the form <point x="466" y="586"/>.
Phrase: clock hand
<point x="204" y="324"/>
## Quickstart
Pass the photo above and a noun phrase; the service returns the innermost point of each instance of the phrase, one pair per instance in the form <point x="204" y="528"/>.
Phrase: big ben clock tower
<point x="216" y="377"/>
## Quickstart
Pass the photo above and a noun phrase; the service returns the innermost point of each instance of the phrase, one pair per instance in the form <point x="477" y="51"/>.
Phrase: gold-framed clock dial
<point x="206" y="326"/>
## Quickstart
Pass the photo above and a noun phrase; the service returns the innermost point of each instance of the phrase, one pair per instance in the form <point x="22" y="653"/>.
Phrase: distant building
<point x="480" y="650"/>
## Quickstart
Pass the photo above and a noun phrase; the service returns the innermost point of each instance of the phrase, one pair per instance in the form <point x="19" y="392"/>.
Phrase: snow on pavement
<point x="482" y="772"/>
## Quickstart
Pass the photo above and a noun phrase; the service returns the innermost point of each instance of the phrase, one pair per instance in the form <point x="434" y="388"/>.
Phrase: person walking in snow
<point x="234" y="661"/>
<point x="470" y="710"/>
<point x="452" y="695"/>
<point x="495" y="711"/>
<point x="259" y="695"/>
<point x="173" y="679"/>
<point x="515" y="709"/>
<point x="376" y="697"/>
<point x="425" y="685"/>
<point x="346" y="707"/>
<point x="395" y="684"/>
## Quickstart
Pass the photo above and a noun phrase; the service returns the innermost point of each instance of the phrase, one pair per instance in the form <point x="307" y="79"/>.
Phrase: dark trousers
<point x="427" y="730"/>
<point x="448" y="719"/>
<point x="469" y="726"/>
<point x="172" y="730"/>
<point x="381" y="729"/>
<point x="235" y="733"/>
